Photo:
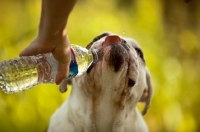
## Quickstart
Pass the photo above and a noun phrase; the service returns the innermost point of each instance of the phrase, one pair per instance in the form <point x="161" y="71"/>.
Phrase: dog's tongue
<point x="112" y="39"/>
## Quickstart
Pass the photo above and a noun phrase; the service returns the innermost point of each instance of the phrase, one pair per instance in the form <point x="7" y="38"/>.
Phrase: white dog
<point x="104" y="98"/>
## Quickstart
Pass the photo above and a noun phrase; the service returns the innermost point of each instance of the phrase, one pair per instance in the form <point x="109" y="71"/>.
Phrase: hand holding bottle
<point x="22" y="73"/>
<point x="51" y="36"/>
<point x="59" y="46"/>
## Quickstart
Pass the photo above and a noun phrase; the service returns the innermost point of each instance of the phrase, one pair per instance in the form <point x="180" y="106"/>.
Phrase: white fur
<point x="99" y="110"/>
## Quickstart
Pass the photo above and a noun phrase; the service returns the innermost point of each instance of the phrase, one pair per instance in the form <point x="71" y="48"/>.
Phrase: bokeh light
<point x="168" y="31"/>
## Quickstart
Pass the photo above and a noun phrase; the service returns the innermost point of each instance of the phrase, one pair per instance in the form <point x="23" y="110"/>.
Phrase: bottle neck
<point x="73" y="67"/>
<point x="73" y="55"/>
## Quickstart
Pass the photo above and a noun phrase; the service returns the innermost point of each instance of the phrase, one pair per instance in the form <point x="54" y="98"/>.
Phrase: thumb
<point x="30" y="50"/>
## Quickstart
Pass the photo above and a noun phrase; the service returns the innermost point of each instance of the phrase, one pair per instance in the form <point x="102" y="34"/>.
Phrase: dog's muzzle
<point x="117" y="54"/>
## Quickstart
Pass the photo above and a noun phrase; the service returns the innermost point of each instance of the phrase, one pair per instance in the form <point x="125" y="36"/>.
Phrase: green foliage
<point x="168" y="31"/>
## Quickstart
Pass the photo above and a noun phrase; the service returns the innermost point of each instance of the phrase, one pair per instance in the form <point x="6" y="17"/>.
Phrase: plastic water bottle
<point x="24" y="72"/>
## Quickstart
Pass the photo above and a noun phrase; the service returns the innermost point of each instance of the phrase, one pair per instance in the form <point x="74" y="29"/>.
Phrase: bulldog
<point x="104" y="98"/>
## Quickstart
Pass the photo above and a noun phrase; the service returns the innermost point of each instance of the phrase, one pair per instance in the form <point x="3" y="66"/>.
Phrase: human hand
<point x="59" y="45"/>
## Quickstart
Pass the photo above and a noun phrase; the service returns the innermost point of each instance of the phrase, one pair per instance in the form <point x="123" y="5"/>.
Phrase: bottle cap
<point x="73" y="66"/>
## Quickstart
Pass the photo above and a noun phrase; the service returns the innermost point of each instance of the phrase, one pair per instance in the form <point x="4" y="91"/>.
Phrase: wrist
<point x="48" y="31"/>
<point x="49" y="35"/>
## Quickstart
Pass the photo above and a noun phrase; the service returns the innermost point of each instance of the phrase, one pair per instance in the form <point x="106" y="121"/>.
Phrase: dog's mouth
<point x="116" y="54"/>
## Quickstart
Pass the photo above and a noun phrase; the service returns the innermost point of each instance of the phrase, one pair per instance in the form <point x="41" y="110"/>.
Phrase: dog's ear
<point x="97" y="38"/>
<point x="147" y="94"/>
<point x="63" y="85"/>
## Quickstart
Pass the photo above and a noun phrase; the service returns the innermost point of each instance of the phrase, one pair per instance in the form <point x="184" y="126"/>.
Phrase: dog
<point x="104" y="98"/>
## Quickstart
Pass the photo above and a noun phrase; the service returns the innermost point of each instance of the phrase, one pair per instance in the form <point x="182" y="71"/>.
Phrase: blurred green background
<point x="168" y="31"/>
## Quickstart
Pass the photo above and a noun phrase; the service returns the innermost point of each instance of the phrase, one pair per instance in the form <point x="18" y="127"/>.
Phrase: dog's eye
<point x="124" y="41"/>
<point x="131" y="82"/>
<point x="126" y="46"/>
<point x="140" y="53"/>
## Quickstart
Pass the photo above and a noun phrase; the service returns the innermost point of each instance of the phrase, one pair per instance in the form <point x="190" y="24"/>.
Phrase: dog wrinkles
<point x="107" y="94"/>
<point x="117" y="56"/>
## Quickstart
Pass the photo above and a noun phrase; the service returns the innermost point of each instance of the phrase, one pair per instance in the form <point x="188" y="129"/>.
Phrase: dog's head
<point x="120" y="70"/>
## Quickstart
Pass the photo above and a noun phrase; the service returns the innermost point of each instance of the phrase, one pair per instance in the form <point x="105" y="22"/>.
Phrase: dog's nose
<point x="112" y="39"/>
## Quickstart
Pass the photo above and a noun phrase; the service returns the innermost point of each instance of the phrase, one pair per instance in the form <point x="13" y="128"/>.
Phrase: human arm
<point x="52" y="35"/>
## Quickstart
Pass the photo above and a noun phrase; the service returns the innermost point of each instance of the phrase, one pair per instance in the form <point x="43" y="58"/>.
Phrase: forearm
<point x="54" y="17"/>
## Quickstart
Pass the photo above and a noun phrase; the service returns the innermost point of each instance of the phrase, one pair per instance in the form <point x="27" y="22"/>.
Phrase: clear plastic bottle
<point x="24" y="72"/>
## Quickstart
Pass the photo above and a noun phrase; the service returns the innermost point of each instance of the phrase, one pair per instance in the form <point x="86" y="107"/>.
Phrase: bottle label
<point x="73" y="68"/>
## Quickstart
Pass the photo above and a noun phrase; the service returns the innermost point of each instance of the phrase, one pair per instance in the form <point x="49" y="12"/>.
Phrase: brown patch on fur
<point x="117" y="56"/>
<point x="94" y="93"/>
<point x="46" y="130"/>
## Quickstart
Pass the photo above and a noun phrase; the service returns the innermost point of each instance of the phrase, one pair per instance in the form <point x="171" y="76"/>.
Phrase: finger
<point x="63" y="71"/>
<point x="63" y="86"/>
